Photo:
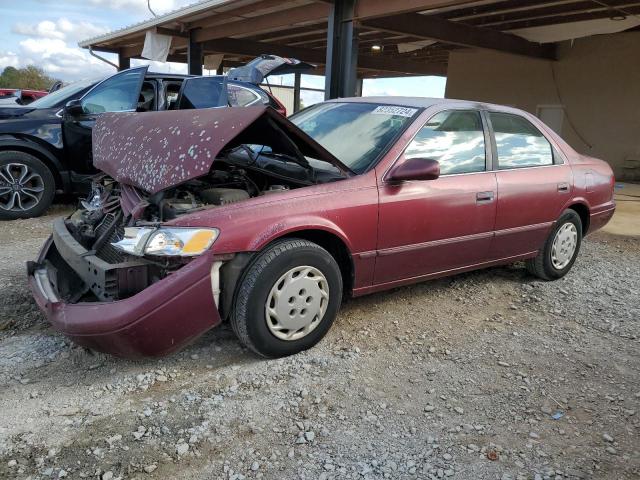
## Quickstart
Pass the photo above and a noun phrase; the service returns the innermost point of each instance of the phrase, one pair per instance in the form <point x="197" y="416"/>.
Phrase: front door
<point x="533" y="185"/>
<point x="118" y="93"/>
<point x="432" y="226"/>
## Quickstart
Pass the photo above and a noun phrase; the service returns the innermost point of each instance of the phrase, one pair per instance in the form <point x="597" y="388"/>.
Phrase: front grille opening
<point x="106" y="251"/>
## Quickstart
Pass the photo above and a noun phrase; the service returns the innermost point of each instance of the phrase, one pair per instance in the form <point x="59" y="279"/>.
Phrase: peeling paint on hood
<point x="157" y="150"/>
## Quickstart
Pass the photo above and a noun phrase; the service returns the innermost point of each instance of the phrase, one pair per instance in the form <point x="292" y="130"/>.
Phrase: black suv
<point x="45" y="147"/>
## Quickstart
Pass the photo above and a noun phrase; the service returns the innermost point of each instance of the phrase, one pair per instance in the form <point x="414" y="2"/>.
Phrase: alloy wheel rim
<point x="297" y="303"/>
<point x="21" y="188"/>
<point x="564" y="245"/>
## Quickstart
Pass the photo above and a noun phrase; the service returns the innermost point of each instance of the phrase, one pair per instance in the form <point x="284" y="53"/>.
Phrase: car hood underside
<point x="158" y="150"/>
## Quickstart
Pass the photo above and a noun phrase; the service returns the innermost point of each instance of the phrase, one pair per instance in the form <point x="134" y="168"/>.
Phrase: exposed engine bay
<point x="226" y="184"/>
<point x="102" y="220"/>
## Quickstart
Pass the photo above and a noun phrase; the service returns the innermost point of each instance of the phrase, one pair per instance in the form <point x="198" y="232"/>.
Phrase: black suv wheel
<point x="27" y="186"/>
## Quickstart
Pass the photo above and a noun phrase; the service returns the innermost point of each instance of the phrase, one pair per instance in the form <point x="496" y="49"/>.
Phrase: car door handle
<point x="484" y="197"/>
<point x="563" y="187"/>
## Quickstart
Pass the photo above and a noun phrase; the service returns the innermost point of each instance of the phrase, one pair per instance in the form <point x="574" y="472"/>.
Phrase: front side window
<point x="454" y="138"/>
<point x="356" y="133"/>
<point x="117" y="94"/>
<point x="519" y="143"/>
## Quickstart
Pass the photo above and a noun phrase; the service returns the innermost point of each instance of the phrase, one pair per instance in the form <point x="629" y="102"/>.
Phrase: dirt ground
<point x="487" y="375"/>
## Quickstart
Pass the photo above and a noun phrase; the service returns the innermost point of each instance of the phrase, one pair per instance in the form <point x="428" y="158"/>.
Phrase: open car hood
<point x="12" y="111"/>
<point x="158" y="150"/>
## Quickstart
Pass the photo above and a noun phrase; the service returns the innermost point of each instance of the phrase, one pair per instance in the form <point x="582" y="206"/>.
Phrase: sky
<point x="45" y="33"/>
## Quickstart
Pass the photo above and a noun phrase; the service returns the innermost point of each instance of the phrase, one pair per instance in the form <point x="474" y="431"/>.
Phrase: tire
<point x="27" y="185"/>
<point x="550" y="266"/>
<point x="272" y="277"/>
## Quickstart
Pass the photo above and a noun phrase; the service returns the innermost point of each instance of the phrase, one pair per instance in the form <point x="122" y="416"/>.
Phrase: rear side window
<point x="205" y="92"/>
<point x="519" y="143"/>
<point x="455" y="139"/>
<point x="200" y="92"/>
<point x="241" y="96"/>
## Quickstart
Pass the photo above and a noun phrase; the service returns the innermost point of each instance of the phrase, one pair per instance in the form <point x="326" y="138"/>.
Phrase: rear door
<point x="432" y="226"/>
<point x="118" y="93"/>
<point x="534" y="182"/>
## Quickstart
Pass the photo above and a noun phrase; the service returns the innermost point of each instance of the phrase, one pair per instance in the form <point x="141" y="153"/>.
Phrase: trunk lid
<point x="261" y="67"/>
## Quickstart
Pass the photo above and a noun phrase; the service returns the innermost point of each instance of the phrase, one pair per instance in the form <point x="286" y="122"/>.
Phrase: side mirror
<point x="415" y="169"/>
<point x="73" y="108"/>
<point x="57" y="85"/>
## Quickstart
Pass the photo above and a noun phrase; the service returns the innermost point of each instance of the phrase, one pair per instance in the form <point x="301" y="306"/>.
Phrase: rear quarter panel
<point x="593" y="186"/>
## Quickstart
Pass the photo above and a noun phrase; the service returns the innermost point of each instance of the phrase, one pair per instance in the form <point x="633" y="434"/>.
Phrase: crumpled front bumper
<point x="156" y="321"/>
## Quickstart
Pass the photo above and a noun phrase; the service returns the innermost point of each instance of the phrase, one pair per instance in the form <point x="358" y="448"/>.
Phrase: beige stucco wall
<point x="597" y="80"/>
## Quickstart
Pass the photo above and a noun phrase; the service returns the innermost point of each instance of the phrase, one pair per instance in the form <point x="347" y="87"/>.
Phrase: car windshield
<point x="355" y="133"/>
<point x="64" y="93"/>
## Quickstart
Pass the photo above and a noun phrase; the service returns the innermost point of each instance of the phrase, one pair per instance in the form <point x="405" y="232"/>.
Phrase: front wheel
<point x="287" y="299"/>
<point x="560" y="249"/>
<point x="27" y="185"/>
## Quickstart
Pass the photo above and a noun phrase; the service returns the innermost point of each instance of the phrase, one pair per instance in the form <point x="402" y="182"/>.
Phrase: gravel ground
<point x="487" y="375"/>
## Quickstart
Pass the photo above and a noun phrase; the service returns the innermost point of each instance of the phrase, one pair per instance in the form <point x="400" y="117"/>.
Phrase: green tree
<point x="8" y="77"/>
<point x="30" y="77"/>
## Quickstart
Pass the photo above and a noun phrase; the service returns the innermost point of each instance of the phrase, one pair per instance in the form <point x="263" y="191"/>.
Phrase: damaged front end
<point x="87" y="262"/>
<point x="117" y="274"/>
<point x="106" y="295"/>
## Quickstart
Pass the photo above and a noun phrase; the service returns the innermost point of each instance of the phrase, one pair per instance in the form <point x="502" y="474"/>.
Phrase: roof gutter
<point x="94" y="54"/>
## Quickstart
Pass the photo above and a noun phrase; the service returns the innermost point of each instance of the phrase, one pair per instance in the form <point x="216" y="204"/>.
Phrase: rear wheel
<point x="560" y="250"/>
<point x="288" y="298"/>
<point x="27" y="185"/>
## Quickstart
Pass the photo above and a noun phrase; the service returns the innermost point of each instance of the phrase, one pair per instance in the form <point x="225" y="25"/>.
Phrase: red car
<point x="23" y="97"/>
<point x="240" y="214"/>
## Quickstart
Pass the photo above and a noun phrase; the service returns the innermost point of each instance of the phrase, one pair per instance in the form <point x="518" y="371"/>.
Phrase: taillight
<point x="281" y="109"/>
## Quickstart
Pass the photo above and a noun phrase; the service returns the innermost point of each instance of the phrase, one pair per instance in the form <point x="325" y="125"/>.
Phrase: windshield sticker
<point x="397" y="111"/>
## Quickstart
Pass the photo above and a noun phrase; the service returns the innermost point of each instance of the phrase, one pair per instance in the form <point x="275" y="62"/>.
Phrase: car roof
<point x="176" y="75"/>
<point x="167" y="76"/>
<point x="181" y="76"/>
<point x="425" y="102"/>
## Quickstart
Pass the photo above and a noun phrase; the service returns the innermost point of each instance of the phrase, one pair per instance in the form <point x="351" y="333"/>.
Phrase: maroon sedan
<point x="239" y="214"/>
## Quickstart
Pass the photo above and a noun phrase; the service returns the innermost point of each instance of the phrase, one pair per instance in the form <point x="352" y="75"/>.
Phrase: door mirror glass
<point x="415" y="169"/>
<point x="73" y="108"/>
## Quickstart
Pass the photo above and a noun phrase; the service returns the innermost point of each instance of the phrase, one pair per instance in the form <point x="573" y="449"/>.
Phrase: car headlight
<point x="166" y="241"/>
